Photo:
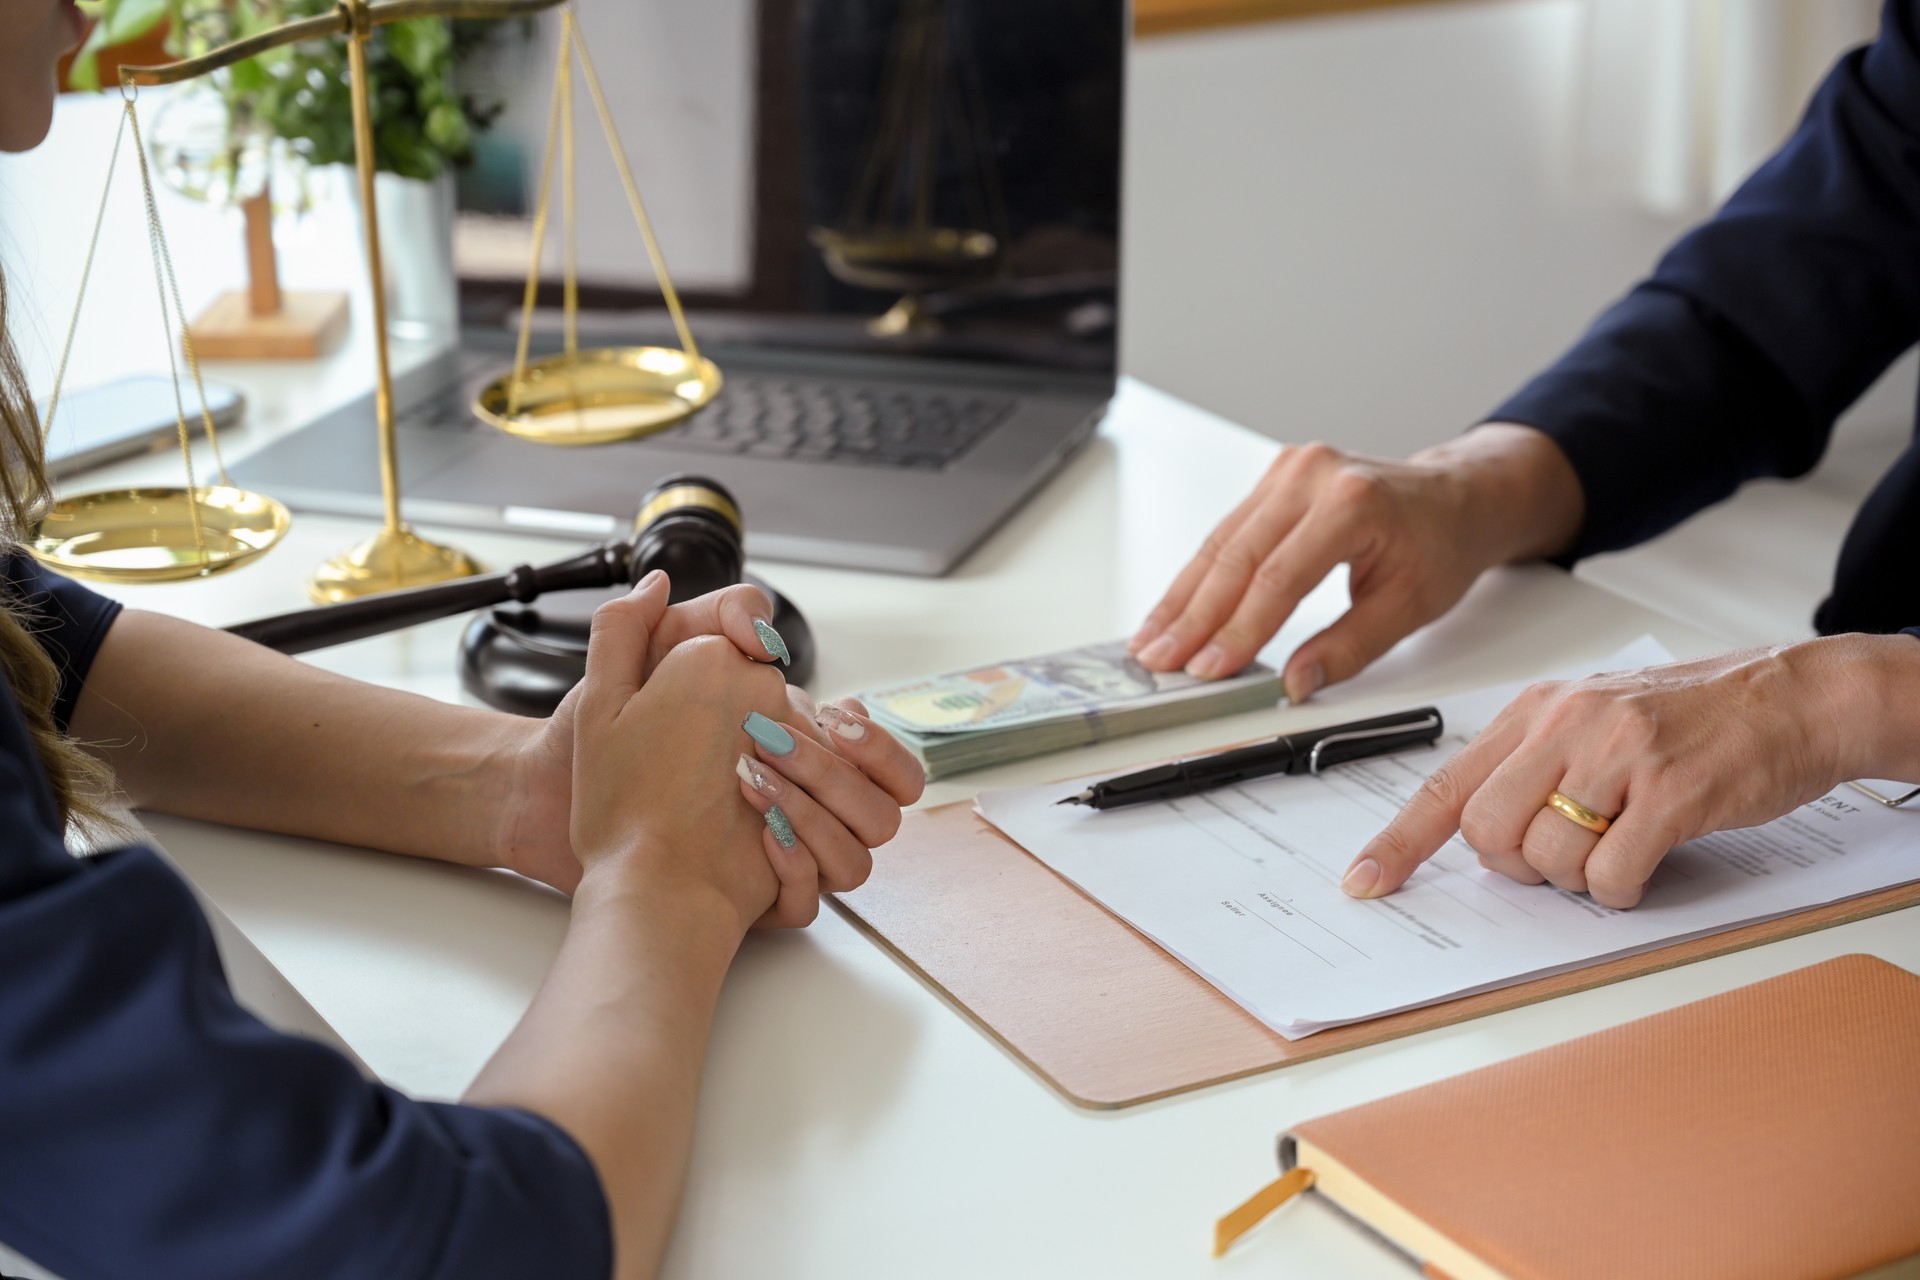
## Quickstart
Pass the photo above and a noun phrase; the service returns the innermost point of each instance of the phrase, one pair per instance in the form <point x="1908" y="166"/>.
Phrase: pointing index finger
<point x="1430" y="818"/>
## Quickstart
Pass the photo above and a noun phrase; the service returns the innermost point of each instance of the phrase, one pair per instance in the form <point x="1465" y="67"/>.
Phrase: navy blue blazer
<point x="1757" y="330"/>
<point x="150" y="1126"/>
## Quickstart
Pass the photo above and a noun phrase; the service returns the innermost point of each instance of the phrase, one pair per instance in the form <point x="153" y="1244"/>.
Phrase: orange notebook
<point x="1770" y="1133"/>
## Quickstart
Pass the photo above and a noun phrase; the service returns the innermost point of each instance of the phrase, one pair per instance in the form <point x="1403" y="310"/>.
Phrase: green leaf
<point x="124" y="20"/>
<point x="447" y="129"/>
<point x="85" y="72"/>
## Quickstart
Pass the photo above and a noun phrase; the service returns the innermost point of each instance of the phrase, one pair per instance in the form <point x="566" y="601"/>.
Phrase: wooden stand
<point x="265" y="322"/>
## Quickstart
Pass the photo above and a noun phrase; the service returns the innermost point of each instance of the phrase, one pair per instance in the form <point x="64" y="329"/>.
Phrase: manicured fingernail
<point x="1307" y="683"/>
<point x="1159" y="651"/>
<point x="781" y="828"/>
<point x="802" y="701"/>
<point x="840" y="722"/>
<point x="1209" y="663"/>
<point x="770" y="734"/>
<point x="1363" y="877"/>
<point x="760" y="778"/>
<point x="770" y="641"/>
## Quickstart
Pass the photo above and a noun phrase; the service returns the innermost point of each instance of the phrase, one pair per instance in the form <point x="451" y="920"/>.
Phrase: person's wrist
<point x="1521" y="495"/>
<point x="511" y="755"/>
<point x="1869" y="683"/>
<point x="633" y="879"/>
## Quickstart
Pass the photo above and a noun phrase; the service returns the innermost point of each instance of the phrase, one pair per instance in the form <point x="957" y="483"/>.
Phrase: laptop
<point x="895" y="228"/>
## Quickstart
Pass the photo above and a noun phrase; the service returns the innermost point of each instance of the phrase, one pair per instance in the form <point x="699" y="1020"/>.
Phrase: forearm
<point x="612" y="1047"/>
<point x="1521" y="483"/>
<point x="202" y="724"/>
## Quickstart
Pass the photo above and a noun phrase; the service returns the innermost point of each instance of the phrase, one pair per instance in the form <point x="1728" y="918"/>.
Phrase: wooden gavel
<point x="687" y="525"/>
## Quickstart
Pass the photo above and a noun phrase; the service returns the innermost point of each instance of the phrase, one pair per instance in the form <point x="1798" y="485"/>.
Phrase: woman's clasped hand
<point x="1660" y="756"/>
<point x="695" y="768"/>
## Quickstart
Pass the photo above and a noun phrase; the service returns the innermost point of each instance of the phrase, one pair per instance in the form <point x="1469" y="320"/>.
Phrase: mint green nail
<point x="768" y="733"/>
<point x="781" y="828"/>
<point x="770" y="640"/>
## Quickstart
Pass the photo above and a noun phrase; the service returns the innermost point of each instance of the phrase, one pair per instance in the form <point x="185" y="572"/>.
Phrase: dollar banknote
<point x="1011" y="710"/>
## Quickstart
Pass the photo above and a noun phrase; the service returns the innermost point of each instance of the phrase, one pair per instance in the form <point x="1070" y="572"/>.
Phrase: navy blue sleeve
<point x="1760" y="327"/>
<point x="149" y="1126"/>
<point x="68" y="620"/>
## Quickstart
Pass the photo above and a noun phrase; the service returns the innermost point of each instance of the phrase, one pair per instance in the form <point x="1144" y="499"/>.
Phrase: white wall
<point x="1366" y="229"/>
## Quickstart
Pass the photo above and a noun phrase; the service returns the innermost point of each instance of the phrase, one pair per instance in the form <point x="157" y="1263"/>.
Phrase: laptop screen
<point x="924" y="178"/>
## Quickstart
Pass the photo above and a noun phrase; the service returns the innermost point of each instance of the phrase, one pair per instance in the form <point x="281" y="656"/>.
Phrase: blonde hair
<point x="79" y="782"/>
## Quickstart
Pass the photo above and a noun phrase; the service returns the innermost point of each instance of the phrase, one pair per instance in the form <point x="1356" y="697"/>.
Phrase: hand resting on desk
<point x="1416" y="534"/>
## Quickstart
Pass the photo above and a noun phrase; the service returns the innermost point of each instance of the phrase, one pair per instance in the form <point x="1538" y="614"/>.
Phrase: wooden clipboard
<point x="1107" y="1017"/>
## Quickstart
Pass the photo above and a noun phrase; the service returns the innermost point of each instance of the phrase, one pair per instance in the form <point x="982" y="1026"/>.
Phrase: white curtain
<point x="1680" y="99"/>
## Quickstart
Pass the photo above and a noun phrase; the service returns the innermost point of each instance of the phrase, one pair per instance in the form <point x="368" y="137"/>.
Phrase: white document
<point x="1243" y="884"/>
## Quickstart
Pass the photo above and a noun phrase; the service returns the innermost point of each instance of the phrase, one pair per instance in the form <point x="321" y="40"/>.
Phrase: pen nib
<point x="1078" y="797"/>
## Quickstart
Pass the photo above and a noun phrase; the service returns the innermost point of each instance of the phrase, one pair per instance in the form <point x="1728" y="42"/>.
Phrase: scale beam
<point x="342" y="21"/>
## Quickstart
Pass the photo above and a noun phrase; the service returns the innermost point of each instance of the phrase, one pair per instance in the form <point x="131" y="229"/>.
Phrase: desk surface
<point x="852" y="1123"/>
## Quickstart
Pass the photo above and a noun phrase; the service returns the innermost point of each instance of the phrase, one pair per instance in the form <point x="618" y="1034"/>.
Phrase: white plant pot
<point x="416" y="255"/>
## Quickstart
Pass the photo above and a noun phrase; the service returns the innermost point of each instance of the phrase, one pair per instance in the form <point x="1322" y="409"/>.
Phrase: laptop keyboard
<point x="812" y="422"/>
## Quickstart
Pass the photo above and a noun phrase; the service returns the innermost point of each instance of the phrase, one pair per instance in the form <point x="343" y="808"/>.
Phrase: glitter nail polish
<point x="781" y="828"/>
<point x="770" y="641"/>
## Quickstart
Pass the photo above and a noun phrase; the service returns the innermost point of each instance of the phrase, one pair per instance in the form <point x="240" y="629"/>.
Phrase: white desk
<point x="853" y="1123"/>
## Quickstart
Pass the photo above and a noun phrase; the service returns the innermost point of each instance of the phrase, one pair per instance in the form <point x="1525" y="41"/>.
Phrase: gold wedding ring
<point x="1574" y="811"/>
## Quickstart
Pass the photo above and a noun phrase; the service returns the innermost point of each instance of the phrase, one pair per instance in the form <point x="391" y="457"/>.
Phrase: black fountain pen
<point x="1307" y="752"/>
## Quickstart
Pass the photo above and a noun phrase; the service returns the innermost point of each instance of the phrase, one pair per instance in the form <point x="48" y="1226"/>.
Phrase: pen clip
<point x="1315" y="763"/>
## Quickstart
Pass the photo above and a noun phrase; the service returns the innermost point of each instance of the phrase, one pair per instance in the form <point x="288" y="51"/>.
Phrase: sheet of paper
<point x="1242" y="884"/>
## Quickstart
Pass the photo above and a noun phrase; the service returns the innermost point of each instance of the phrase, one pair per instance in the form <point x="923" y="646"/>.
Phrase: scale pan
<point x="908" y="258"/>
<point x="600" y="396"/>
<point x="146" y="535"/>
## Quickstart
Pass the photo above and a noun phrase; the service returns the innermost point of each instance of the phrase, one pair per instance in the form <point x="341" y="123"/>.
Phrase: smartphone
<point x="129" y="416"/>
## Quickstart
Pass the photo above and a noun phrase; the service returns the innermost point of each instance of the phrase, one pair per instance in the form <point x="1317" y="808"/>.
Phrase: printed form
<point x="1242" y="884"/>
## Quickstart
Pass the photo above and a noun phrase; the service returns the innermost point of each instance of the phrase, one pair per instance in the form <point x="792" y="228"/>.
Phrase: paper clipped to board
<point x="1242" y="885"/>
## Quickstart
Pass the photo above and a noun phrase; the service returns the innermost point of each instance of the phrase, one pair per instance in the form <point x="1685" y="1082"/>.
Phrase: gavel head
<point x="689" y="526"/>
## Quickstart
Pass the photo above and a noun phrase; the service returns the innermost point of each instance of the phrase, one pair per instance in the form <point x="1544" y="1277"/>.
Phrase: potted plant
<point x="299" y="97"/>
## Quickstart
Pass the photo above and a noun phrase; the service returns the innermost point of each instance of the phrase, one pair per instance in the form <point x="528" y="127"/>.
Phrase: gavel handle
<point x="606" y="565"/>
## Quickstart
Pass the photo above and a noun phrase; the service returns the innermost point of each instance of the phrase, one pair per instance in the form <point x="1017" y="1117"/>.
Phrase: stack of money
<point x="1012" y="710"/>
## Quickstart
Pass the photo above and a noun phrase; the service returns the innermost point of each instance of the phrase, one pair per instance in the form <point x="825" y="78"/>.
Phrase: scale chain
<point x="562" y="81"/>
<point x="668" y="293"/>
<point x="86" y="272"/>
<point x="157" y="245"/>
<point x="186" y="333"/>
<point x="560" y="137"/>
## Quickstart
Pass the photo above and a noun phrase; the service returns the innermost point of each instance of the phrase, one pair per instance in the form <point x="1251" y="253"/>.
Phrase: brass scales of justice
<point x="575" y="398"/>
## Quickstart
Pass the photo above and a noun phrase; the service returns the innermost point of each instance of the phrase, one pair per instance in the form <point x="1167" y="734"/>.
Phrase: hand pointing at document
<point x="1588" y="783"/>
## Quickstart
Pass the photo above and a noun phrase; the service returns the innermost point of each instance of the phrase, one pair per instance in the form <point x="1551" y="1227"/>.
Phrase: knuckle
<point x="613" y="613"/>
<point x="1273" y="576"/>
<point x="1315" y="455"/>
<point x="850" y="877"/>
<point x="1541" y="693"/>
<point x="1342" y="651"/>
<point x="1215" y="543"/>
<point x="1353" y="486"/>
<point x="1483" y="832"/>
<point x="1395" y="843"/>
<point x="1445" y="788"/>
<point x="1614" y="885"/>
<point x="1237" y="560"/>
